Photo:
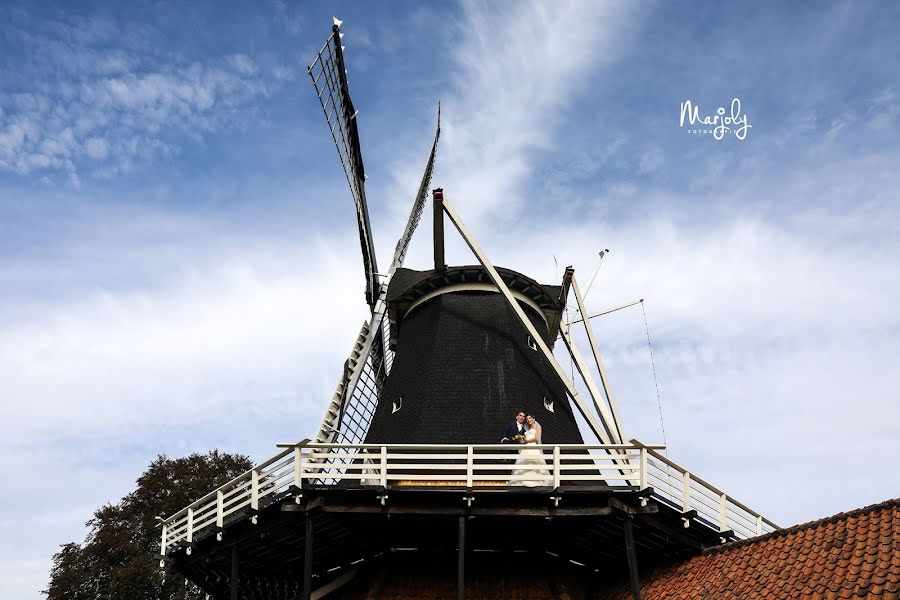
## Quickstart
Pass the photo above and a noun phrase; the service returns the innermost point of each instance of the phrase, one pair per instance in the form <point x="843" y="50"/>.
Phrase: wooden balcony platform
<point x="583" y="527"/>
<point x="314" y="514"/>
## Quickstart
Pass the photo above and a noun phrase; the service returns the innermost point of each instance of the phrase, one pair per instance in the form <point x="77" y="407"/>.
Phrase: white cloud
<point x="284" y="73"/>
<point x="71" y="365"/>
<point x="229" y="345"/>
<point x="110" y="108"/>
<point x="515" y="75"/>
<point x="287" y="17"/>
<point x="96" y="148"/>
<point x="650" y="161"/>
<point x="243" y="64"/>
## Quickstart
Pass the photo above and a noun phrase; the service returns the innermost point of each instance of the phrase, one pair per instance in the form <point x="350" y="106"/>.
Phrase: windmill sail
<point x="329" y="76"/>
<point x="416" y="213"/>
<point x="354" y="401"/>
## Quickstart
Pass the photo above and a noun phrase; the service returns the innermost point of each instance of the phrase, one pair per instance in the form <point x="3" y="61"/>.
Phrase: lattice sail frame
<point x="359" y="393"/>
<point x="329" y="77"/>
<point x="354" y="401"/>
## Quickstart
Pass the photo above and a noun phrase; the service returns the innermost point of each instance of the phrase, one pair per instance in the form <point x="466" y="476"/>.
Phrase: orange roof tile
<point x="850" y="555"/>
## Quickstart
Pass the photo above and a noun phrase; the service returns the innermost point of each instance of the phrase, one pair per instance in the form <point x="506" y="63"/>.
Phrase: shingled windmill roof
<point x="409" y="286"/>
<point x="850" y="555"/>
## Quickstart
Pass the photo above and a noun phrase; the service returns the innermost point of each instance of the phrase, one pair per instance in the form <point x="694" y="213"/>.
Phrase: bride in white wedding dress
<point x="531" y="462"/>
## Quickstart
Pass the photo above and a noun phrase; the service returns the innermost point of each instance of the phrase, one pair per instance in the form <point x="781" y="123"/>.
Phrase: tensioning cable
<point x="655" y="380"/>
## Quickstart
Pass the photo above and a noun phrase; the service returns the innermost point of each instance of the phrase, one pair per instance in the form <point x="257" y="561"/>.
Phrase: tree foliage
<point x="116" y="559"/>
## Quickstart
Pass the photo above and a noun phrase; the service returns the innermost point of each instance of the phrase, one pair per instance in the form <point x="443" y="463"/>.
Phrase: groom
<point x="514" y="428"/>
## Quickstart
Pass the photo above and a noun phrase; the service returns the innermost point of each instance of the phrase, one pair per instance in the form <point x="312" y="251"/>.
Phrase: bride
<point x="531" y="462"/>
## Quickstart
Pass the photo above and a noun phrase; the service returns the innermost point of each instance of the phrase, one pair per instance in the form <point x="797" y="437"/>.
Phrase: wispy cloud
<point x="517" y="71"/>
<point x="287" y="16"/>
<point x="106" y="110"/>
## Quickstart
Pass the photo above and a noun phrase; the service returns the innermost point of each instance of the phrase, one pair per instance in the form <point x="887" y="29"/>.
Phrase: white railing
<point x="687" y="492"/>
<point x="627" y="466"/>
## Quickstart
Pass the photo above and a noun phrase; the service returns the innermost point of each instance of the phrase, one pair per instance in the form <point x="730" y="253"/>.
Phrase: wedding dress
<point x="532" y="464"/>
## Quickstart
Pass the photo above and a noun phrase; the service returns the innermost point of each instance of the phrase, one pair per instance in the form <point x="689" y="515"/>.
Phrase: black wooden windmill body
<point x="405" y="476"/>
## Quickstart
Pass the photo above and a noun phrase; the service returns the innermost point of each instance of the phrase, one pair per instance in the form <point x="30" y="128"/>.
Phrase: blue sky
<point x="178" y="262"/>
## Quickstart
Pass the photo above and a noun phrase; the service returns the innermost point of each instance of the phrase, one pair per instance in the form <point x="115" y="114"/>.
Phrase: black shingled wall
<point x="463" y="367"/>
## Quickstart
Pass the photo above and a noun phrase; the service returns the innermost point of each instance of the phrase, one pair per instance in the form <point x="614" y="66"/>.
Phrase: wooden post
<point x="254" y="489"/>
<point x="298" y="467"/>
<point x="556" y="473"/>
<point x="190" y="525"/>
<point x="685" y="491"/>
<point x="307" y="559"/>
<point x="643" y="474"/>
<point x="470" y="466"/>
<point x="632" y="559"/>
<point x="438" y="199"/>
<point x="723" y="515"/>
<point x="461" y="561"/>
<point x="220" y="509"/>
<point x="235" y="575"/>
<point x="164" y="541"/>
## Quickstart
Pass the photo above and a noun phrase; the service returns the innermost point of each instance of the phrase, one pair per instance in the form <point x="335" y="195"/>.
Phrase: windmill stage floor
<point x="341" y="530"/>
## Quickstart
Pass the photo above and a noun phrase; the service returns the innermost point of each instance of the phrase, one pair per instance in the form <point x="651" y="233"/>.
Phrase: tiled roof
<point x="850" y="555"/>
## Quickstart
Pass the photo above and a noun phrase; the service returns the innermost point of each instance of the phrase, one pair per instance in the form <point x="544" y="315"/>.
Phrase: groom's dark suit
<point x="512" y="430"/>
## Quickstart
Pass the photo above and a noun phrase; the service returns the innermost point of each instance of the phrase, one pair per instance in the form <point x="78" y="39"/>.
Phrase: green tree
<point x="116" y="559"/>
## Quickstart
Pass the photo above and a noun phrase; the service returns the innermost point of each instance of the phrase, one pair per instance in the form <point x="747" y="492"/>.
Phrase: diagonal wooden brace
<point x="598" y="431"/>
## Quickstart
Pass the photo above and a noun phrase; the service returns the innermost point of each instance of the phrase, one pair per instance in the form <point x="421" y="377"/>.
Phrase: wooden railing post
<point x="298" y="467"/>
<point x="220" y="509"/>
<point x="643" y="478"/>
<point x="384" y="466"/>
<point x="759" y="525"/>
<point x="190" y="525"/>
<point x="254" y="489"/>
<point x="470" y="465"/>
<point x="723" y="516"/>
<point x="163" y="542"/>
<point x="685" y="491"/>
<point x="556" y="473"/>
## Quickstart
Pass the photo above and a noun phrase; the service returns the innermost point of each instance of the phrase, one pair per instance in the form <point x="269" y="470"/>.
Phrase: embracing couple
<point x="524" y="430"/>
<point x="531" y="467"/>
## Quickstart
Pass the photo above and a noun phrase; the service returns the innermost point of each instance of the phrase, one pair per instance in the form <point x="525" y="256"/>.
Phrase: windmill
<point x="405" y="477"/>
<point x="360" y="393"/>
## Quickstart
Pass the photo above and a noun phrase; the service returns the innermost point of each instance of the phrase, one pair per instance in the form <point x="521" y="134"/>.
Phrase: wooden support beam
<point x="307" y="559"/>
<point x="632" y="559"/>
<point x="461" y="561"/>
<point x="616" y="425"/>
<point x="633" y="510"/>
<point x="598" y="431"/>
<point x="543" y="512"/>
<point x="693" y="541"/>
<point x="438" y="198"/>
<point x="234" y="583"/>
<point x="306" y="507"/>
<point x="334" y="585"/>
